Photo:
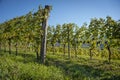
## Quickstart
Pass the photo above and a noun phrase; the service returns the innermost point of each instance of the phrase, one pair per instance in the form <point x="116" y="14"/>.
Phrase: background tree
<point x="110" y="25"/>
<point x="64" y="37"/>
<point x="70" y="31"/>
<point x="76" y="38"/>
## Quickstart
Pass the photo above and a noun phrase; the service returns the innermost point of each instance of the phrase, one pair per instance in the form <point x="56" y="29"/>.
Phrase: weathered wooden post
<point x="46" y="12"/>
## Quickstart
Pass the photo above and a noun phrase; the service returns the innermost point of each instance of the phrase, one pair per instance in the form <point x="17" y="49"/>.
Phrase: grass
<point x="57" y="67"/>
<point x="18" y="68"/>
<point x="82" y="68"/>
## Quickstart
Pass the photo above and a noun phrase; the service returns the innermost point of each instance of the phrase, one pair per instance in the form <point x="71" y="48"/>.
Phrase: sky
<point x="64" y="11"/>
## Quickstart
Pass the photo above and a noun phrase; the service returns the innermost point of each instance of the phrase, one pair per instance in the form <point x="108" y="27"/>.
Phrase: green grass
<point x="18" y="68"/>
<point x="81" y="68"/>
<point x="57" y="67"/>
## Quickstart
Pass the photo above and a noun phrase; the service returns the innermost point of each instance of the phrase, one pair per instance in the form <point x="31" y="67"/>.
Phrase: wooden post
<point x="44" y="36"/>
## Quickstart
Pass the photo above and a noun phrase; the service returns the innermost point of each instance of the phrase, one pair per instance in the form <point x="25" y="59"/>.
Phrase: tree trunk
<point x="0" y="46"/>
<point x="43" y="42"/>
<point x="64" y="48"/>
<point x="16" y="46"/>
<point x="108" y="47"/>
<point x="68" y="49"/>
<point x="53" y="47"/>
<point x="75" y="51"/>
<point x="9" y="46"/>
<point x="37" y="55"/>
<point x="4" y="48"/>
<point x="90" y="54"/>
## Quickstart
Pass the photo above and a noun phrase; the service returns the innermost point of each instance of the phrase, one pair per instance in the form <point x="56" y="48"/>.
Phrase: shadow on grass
<point x="76" y="71"/>
<point x="20" y="57"/>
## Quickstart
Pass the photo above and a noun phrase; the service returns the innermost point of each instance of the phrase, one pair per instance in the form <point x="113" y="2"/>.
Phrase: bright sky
<point x="64" y="11"/>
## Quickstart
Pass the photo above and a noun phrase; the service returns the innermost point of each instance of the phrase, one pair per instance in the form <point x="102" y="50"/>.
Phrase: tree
<point x="1" y="32"/>
<point x="8" y="33"/>
<point x="55" y="38"/>
<point x="67" y="36"/>
<point x="76" y="39"/>
<point x="18" y="22"/>
<point x="96" y="31"/>
<point x="51" y="38"/>
<point x="110" y="25"/>
<point x="70" y="31"/>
